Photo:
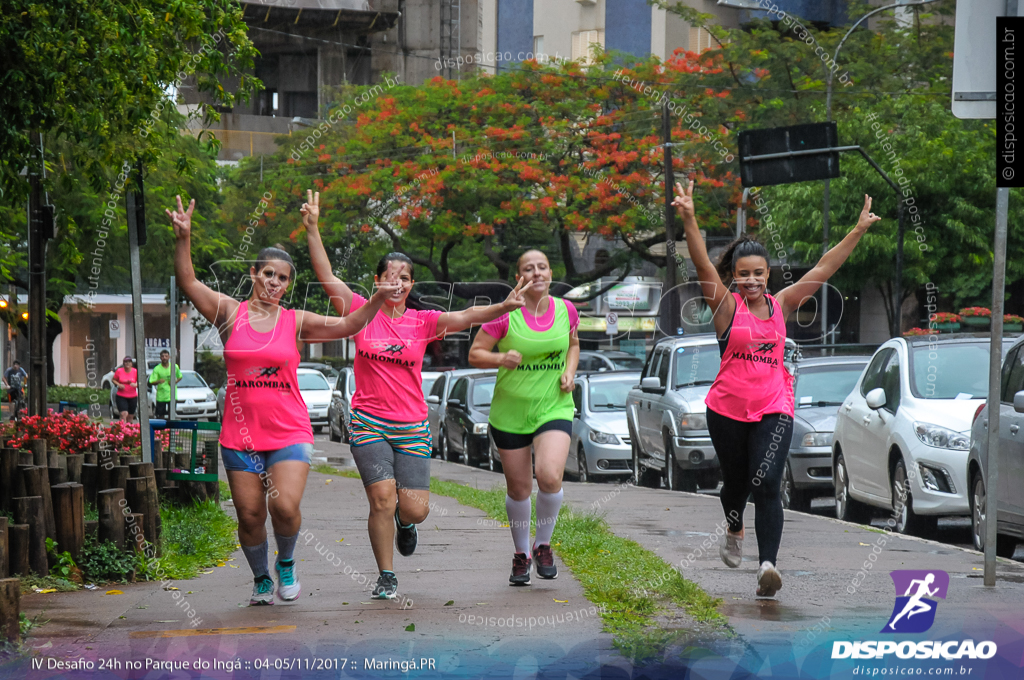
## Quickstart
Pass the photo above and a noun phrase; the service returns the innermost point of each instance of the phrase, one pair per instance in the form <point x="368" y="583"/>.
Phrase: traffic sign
<point x="974" y="57"/>
<point x="611" y="322"/>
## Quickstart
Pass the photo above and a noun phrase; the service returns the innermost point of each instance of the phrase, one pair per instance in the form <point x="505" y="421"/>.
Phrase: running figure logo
<point x="391" y="350"/>
<point x="914" y="612"/>
<point x="264" y="371"/>
<point x="552" y="355"/>
<point x="762" y="347"/>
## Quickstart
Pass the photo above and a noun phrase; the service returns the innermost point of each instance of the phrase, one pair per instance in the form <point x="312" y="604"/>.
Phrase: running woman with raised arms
<point x="266" y="438"/>
<point x="390" y="438"/>
<point x="532" y="407"/>
<point x="750" y="404"/>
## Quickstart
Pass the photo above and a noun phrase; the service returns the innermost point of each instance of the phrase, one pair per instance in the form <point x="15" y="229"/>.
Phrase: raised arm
<point x="215" y="307"/>
<point x="340" y="294"/>
<point x="312" y="327"/>
<point x="451" y="322"/>
<point x="482" y="356"/>
<point x="715" y="292"/>
<point x="793" y="296"/>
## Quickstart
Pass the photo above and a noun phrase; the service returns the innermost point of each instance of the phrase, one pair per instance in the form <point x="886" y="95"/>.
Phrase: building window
<point x="582" y="42"/>
<point x="538" y="48"/>
<point x="700" y="40"/>
<point x="601" y="258"/>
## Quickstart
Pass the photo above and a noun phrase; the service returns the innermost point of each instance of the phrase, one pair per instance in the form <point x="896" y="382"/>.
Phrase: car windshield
<point x="950" y="371"/>
<point x="483" y="390"/>
<point x="627" y="363"/>
<point x="610" y="395"/>
<point x="189" y="379"/>
<point x="312" y="382"/>
<point x="825" y="385"/>
<point x="427" y="384"/>
<point x="696" y="365"/>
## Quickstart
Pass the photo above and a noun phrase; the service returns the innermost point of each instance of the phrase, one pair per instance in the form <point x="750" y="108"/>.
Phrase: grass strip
<point x="194" y="537"/>
<point x="325" y="469"/>
<point x="630" y="584"/>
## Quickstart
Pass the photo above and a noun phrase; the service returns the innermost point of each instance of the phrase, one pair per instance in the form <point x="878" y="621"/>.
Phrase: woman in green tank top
<point x="532" y="408"/>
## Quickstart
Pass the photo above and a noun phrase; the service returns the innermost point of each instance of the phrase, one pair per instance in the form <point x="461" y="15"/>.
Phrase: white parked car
<point x="193" y="398"/>
<point x="908" y="419"/>
<point x="316" y="392"/>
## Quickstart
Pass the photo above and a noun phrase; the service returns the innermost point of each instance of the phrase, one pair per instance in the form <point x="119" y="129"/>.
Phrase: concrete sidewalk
<point x="459" y="559"/>
<point x="819" y="560"/>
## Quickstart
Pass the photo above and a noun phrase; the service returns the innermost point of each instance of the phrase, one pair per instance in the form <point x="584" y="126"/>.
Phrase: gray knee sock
<point x="256" y="556"/>
<point x="285" y="546"/>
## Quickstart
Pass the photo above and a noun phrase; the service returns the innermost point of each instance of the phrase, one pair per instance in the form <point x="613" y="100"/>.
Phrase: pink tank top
<point x="752" y="380"/>
<point x="263" y="410"/>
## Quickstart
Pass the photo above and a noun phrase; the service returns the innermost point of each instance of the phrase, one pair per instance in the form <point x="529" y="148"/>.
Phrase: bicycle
<point x="16" y="397"/>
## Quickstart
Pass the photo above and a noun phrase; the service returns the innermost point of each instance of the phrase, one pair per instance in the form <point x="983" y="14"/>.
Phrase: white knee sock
<point x="548" y="505"/>
<point x="519" y="520"/>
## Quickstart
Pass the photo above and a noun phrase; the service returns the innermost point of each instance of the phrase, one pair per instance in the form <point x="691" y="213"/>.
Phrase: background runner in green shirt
<point x="161" y="377"/>
<point x="532" y="407"/>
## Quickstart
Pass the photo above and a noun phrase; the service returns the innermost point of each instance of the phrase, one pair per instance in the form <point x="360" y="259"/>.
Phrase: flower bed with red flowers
<point x="70" y="432"/>
<point x="976" y="311"/>
<point x="1012" y="318"/>
<point x="945" y="317"/>
<point x="917" y="331"/>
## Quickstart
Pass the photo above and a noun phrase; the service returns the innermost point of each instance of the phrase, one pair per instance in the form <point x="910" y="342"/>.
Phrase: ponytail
<point x="744" y="246"/>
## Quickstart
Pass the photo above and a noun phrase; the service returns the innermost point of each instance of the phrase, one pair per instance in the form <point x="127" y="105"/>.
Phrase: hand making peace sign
<point x="181" y="219"/>
<point x="310" y="209"/>
<point x="683" y="200"/>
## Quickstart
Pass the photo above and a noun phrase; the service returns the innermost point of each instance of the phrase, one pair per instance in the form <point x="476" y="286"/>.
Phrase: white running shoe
<point x="769" y="581"/>
<point x="288" y="586"/>
<point x="262" y="592"/>
<point x="731" y="550"/>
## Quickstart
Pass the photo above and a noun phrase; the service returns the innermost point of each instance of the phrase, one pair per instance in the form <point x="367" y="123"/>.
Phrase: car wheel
<point x="330" y="431"/>
<point x="465" y="460"/>
<point x="582" y="474"/>
<point x="908" y="521"/>
<point x="792" y="497"/>
<point x="442" y="446"/>
<point x="318" y="429"/>
<point x="1006" y="546"/>
<point x="643" y="475"/>
<point x="675" y="479"/>
<point x="344" y="432"/>
<point x="708" y="479"/>
<point x="492" y="463"/>
<point x="848" y="509"/>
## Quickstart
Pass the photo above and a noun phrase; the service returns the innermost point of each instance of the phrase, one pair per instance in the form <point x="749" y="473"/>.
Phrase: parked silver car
<point x="437" y="401"/>
<point x="600" y="444"/>
<point x="820" y="386"/>
<point x="339" y="413"/>
<point x="666" y="415"/>
<point x="609" y="360"/>
<point x="1010" y="514"/>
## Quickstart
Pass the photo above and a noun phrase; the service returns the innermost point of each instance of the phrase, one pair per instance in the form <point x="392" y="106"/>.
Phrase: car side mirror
<point x="1018" y="402"/>
<point x="433" y="399"/>
<point x="876" y="398"/>
<point x="575" y="413"/>
<point x="651" y="384"/>
<point x="454" y="403"/>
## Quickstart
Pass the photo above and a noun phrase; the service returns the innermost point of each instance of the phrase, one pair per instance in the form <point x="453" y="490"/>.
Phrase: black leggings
<point x="753" y="457"/>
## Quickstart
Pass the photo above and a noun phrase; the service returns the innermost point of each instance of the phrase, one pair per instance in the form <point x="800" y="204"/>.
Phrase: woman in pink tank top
<point x="750" y="404"/>
<point x="266" y="439"/>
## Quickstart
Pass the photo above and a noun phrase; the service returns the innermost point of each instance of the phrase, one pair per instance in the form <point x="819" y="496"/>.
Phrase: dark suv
<point x="463" y="435"/>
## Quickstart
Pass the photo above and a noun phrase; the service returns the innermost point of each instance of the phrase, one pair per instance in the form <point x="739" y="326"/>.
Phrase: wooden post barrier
<point x="10" y="609"/>
<point x="18" y="544"/>
<point x="74" y="466"/>
<point x="118" y="477"/>
<point x="25" y="457"/>
<point x="29" y="510"/>
<point x="90" y="457"/>
<point x="90" y="482"/>
<point x="57" y="476"/>
<point x="38" y="448"/>
<point x="8" y="477"/>
<point x="92" y="528"/>
<point x="135" y="532"/>
<point x="5" y="568"/>
<point x="69" y="513"/>
<point x="111" y="518"/>
<point x="37" y="483"/>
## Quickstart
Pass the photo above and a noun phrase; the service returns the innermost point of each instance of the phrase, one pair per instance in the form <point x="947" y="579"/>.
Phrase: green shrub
<point x="105" y="561"/>
<point x="79" y="395"/>
<point x="63" y="565"/>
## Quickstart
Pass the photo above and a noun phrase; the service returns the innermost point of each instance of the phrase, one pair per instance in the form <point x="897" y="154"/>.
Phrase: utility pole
<point x="40" y="228"/>
<point x="174" y="342"/>
<point x="670" y="295"/>
<point x="136" y="209"/>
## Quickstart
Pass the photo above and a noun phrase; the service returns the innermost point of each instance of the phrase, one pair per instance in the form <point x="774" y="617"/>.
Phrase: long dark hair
<point x="744" y="246"/>
<point x="394" y="257"/>
<point x="274" y="253"/>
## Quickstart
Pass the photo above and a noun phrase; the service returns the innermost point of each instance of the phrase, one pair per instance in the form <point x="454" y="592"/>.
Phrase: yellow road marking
<point x="189" y="632"/>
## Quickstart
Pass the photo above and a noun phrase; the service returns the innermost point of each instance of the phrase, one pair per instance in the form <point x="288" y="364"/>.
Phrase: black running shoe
<point x="405" y="537"/>
<point x="520" y="570"/>
<point x="387" y="586"/>
<point x="545" y="561"/>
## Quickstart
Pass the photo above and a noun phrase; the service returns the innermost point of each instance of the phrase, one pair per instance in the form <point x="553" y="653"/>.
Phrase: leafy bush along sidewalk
<point x="632" y="585"/>
<point x="194" y="537"/>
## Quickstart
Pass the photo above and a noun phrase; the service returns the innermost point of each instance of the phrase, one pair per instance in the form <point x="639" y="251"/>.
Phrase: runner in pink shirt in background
<point x="126" y="378"/>
<point x="390" y="439"/>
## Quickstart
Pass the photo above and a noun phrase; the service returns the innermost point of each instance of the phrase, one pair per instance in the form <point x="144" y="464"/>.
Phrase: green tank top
<point x="528" y="397"/>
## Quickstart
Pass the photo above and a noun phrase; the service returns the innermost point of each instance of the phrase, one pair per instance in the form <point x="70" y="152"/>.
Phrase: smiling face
<point x="399" y="270"/>
<point x="535" y="268"/>
<point x="127" y="364"/>
<point x="271" y="281"/>
<point x="751" y="276"/>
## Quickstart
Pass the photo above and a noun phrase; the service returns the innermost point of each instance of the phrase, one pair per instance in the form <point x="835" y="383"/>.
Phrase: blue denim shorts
<point x="261" y="461"/>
